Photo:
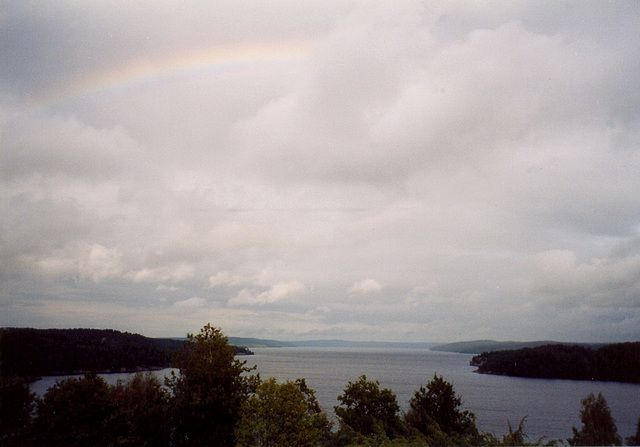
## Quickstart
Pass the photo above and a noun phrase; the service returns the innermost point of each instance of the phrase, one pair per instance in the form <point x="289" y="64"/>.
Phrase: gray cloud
<point x="401" y="171"/>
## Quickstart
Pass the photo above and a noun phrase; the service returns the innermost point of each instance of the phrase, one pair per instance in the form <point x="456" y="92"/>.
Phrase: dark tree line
<point x="215" y="400"/>
<point x="38" y="352"/>
<point x="618" y="362"/>
<point x="26" y="352"/>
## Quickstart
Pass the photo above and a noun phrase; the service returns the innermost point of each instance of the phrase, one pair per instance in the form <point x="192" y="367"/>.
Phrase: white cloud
<point x="169" y="273"/>
<point x="476" y="161"/>
<point x="279" y="292"/>
<point x="226" y="279"/>
<point x="190" y="303"/>
<point x="81" y="259"/>
<point x="598" y="281"/>
<point x="66" y="148"/>
<point x="365" y="287"/>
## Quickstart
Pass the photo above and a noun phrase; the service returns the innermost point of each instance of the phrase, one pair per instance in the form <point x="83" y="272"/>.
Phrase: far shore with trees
<point x="216" y="400"/>
<point x="619" y="362"/>
<point x="31" y="353"/>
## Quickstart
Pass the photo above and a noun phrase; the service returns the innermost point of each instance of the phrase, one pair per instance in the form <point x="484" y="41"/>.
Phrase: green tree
<point x="142" y="411"/>
<point x="208" y="391"/>
<point x="435" y="407"/>
<point x="598" y="426"/>
<point x="16" y="405"/>
<point x="368" y="410"/>
<point x="282" y="415"/>
<point x="76" y="412"/>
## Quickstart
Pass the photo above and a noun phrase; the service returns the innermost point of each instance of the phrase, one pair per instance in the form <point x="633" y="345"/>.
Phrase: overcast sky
<point x="401" y="171"/>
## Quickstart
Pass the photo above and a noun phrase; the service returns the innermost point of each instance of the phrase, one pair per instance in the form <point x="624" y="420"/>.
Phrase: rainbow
<point x="183" y="64"/>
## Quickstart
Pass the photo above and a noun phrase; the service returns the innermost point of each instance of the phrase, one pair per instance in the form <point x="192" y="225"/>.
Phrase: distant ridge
<point x="250" y="342"/>
<point x="362" y="344"/>
<point x="480" y="346"/>
<point x="267" y="343"/>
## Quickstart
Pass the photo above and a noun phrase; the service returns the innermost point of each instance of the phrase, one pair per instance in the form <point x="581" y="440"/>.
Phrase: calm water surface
<point x="551" y="406"/>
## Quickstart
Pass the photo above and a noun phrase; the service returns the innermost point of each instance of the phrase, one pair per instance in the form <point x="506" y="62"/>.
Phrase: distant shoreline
<point x="29" y="353"/>
<point x="619" y="362"/>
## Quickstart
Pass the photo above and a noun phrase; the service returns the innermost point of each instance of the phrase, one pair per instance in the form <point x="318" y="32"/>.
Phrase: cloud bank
<point x="403" y="171"/>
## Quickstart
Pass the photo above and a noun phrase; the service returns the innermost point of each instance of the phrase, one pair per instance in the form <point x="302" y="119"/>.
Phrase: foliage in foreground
<point x="598" y="426"/>
<point x="282" y="415"/>
<point x="87" y="411"/>
<point x="17" y="403"/>
<point x="635" y="440"/>
<point x="369" y="411"/>
<point x="209" y="390"/>
<point x="214" y="400"/>
<point x="434" y="411"/>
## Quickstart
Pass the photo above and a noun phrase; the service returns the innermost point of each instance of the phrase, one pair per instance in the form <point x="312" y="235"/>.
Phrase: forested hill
<point x="29" y="352"/>
<point x="618" y="362"/>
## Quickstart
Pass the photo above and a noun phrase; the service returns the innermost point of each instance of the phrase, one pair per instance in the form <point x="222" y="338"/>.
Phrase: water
<point x="551" y="406"/>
